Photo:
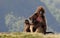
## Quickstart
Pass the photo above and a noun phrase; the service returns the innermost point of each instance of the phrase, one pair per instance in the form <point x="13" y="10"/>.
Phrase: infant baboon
<point x="26" y="26"/>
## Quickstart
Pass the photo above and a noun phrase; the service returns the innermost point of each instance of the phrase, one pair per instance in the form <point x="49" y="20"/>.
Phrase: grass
<point x="28" y="35"/>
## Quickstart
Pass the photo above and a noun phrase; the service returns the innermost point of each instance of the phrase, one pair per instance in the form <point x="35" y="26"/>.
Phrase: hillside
<point x="28" y="35"/>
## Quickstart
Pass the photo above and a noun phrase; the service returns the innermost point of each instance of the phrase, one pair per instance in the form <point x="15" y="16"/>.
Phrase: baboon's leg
<point x="39" y="30"/>
<point x="26" y="29"/>
<point x="31" y="28"/>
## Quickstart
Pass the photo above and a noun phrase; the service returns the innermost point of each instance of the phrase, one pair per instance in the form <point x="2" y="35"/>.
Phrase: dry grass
<point x="28" y="35"/>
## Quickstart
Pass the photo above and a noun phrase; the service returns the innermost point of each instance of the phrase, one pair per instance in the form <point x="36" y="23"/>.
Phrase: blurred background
<point x="14" y="12"/>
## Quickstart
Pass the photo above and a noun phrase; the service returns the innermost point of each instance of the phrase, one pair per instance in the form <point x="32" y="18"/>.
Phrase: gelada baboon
<point x="39" y="21"/>
<point x="26" y="26"/>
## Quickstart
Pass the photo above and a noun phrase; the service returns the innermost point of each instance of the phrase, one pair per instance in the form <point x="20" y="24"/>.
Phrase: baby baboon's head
<point x="26" y="21"/>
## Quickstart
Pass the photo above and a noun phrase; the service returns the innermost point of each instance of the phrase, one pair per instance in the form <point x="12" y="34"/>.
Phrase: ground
<point x="28" y="35"/>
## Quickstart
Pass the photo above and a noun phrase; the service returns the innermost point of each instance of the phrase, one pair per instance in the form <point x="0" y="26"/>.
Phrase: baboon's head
<point x="26" y="21"/>
<point x="40" y="10"/>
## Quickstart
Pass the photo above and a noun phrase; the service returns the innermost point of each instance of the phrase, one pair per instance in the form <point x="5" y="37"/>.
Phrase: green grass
<point x="28" y="35"/>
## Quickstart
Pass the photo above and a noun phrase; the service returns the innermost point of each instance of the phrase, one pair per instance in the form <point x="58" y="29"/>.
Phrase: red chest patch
<point x="39" y="19"/>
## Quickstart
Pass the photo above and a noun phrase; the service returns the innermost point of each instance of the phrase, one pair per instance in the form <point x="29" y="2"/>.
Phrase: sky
<point x="54" y="7"/>
<point x="14" y="12"/>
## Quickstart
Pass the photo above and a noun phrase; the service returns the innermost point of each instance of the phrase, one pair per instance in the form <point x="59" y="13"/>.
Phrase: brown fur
<point x="26" y="26"/>
<point x="37" y="25"/>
